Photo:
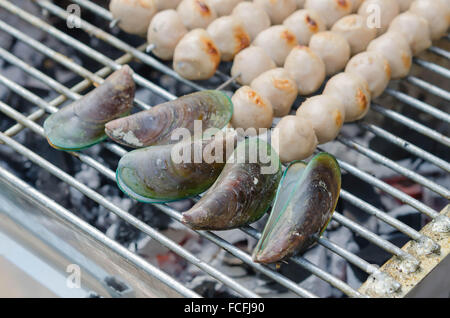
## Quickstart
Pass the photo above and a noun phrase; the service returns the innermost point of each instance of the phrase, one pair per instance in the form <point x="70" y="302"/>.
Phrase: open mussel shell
<point x="161" y="174"/>
<point x="243" y="192"/>
<point x="82" y="123"/>
<point x="213" y="109"/>
<point x="303" y="207"/>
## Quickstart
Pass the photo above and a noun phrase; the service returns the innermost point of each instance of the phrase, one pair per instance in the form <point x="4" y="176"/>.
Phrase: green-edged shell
<point x="303" y="207"/>
<point x="82" y="123"/>
<point x="243" y="192"/>
<point x="161" y="174"/>
<point x="213" y="109"/>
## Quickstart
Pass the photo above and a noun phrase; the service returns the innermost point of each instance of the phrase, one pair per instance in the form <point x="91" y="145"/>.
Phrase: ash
<point x="154" y="252"/>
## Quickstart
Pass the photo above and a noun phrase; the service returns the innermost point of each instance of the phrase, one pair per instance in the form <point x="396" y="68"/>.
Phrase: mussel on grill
<point x="160" y="174"/>
<point x="304" y="204"/>
<point x="243" y="192"/>
<point x="155" y="126"/>
<point x="82" y="123"/>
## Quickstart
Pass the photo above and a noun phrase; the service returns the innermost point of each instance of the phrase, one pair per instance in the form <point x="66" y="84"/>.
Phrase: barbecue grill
<point x="41" y="237"/>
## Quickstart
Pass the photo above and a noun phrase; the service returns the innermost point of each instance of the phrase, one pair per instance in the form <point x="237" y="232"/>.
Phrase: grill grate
<point x="138" y="53"/>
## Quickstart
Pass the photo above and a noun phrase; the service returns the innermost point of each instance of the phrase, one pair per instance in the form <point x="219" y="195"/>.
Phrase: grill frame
<point x="138" y="53"/>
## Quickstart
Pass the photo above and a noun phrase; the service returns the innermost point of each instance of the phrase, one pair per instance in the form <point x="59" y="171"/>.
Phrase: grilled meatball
<point x="304" y="23"/>
<point x="374" y="68"/>
<point x="196" y="13"/>
<point x="278" y="10"/>
<point x="223" y="7"/>
<point x="404" y="5"/>
<point x="253" y="17"/>
<point x="330" y="10"/>
<point x="196" y="56"/>
<point x="415" y="29"/>
<point x="165" y="31"/>
<point x="395" y="48"/>
<point x="355" y="30"/>
<point x="251" y="110"/>
<point x="279" y="88"/>
<point x="388" y="10"/>
<point x="306" y="68"/>
<point x="166" y="4"/>
<point x="326" y="113"/>
<point x="277" y="41"/>
<point x="333" y="49"/>
<point x="250" y="63"/>
<point x="353" y="91"/>
<point x="436" y="13"/>
<point x="229" y="35"/>
<point x="134" y="15"/>
<point x="294" y="139"/>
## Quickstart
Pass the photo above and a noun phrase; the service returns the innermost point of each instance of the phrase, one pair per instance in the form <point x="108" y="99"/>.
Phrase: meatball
<point x="251" y="110"/>
<point x="134" y="15"/>
<point x="304" y="24"/>
<point x="165" y="31"/>
<point x="229" y="35"/>
<point x="166" y="4"/>
<point x="326" y="113"/>
<point x="395" y="48"/>
<point x="333" y="49"/>
<point x="330" y="10"/>
<point x="436" y="13"/>
<point x="415" y="29"/>
<point x="353" y="91"/>
<point x="223" y="7"/>
<point x="250" y="63"/>
<point x="277" y="41"/>
<point x="294" y="139"/>
<point x="355" y="30"/>
<point x="387" y="9"/>
<point x="306" y="68"/>
<point x="278" y="10"/>
<point x="374" y="68"/>
<point x="253" y="17"/>
<point x="196" y="13"/>
<point x="279" y="88"/>
<point x="196" y="56"/>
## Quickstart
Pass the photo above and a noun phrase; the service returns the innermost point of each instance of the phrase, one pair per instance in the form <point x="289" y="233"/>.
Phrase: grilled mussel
<point x="304" y="204"/>
<point x="82" y="123"/>
<point x="243" y="192"/>
<point x="155" y="126"/>
<point x="160" y="174"/>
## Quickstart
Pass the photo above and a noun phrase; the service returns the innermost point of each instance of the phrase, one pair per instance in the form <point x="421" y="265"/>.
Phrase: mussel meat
<point x="160" y="174"/>
<point x="82" y="123"/>
<point x="155" y="126"/>
<point x="243" y="192"/>
<point x="305" y="202"/>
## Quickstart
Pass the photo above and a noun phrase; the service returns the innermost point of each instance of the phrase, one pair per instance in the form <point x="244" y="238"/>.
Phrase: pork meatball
<point x="415" y="29"/>
<point x="294" y="139"/>
<point x="223" y="7"/>
<point x="229" y="35"/>
<point x="166" y="4"/>
<point x="379" y="13"/>
<point x="326" y="114"/>
<point x="278" y="10"/>
<point x="436" y="13"/>
<point x="374" y="68"/>
<point x="355" y="30"/>
<point x="277" y="41"/>
<point x="353" y="91"/>
<point x="196" y="57"/>
<point x="134" y="15"/>
<point x="250" y="63"/>
<point x="165" y="31"/>
<point x="251" y="110"/>
<point x="332" y="48"/>
<point x="306" y="68"/>
<point x="304" y="24"/>
<point x="253" y="17"/>
<point x="196" y="13"/>
<point x="279" y="88"/>
<point x="330" y="10"/>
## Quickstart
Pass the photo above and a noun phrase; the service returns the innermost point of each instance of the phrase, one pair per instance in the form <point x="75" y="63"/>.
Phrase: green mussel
<point x="82" y="123"/>
<point x="213" y="109"/>
<point x="243" y="192"/>
<point x="304" y="205"/>
<point x="160" y="174"/>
